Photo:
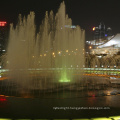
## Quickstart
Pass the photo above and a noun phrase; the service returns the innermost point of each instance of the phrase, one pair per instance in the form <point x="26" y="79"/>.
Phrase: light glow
<point x="90" y="47"/>
<point x="93" y="28"/>
<point x="64" y="78"/>
<point x="59" y="52"/>
<point x="2" y="98"/>
<point x="3" y="23"/>
<point x="66" y="50"/>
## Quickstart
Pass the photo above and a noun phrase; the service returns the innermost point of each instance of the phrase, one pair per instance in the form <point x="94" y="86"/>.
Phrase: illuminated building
<point x="111" y="46"/>
<point x="3" y="36"/>
<point x="108" y="46"/>
<point x="101" y="32"/>
<point x="101" y="35"/>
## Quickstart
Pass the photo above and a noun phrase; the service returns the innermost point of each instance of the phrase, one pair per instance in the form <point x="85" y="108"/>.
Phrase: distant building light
<point x="70" y="26"/>
<point x="90" y="47"/>
<point x="3" y="23"/>
<point x="112" y="78"/>
<point x="73" y="26"/>
<point x="59" y="52"/>
<point x="93" y="29"/>
<point x="108" y="28"/>
<point x="106" y="35"/>
<point x="99" y="56"/>
<point x="44" y="54"/>
<point x="66" y="50"/>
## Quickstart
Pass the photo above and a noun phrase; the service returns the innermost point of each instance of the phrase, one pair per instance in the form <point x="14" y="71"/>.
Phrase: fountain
<point x="52" y="60"/>
<point x="49" y="59"/>
<point x="49" y="64"/>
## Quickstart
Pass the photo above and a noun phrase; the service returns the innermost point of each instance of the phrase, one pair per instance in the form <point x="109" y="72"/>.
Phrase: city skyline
<point x="85" y="13"/>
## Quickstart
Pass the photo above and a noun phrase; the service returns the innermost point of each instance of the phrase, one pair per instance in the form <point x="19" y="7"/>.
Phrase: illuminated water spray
<point x="55" y="52"/>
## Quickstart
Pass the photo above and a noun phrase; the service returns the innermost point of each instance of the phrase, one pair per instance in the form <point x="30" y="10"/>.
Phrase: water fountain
<point x="50" y="64"/>
<point x="46" y="60"/>
<point x="52" y="59"/>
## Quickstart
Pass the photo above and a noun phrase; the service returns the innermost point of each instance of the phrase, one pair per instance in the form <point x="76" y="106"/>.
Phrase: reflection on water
<point x="62" y="93"/>
<point x="43" y="108"/>
<point x="28" y="106"/>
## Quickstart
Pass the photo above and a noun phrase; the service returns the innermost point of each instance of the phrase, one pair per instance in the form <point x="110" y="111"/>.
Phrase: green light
<point x="64" y="78"/>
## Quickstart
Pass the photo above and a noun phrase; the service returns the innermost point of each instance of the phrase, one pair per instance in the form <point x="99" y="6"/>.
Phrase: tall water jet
<point x="52" y="55"/>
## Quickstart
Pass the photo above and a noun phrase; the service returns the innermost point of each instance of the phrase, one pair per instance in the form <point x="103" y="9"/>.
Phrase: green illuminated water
<point x="64" y="77"/>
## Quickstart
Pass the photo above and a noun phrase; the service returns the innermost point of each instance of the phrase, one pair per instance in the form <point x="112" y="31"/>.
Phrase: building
<point x="101" y="32"/>
<point x="101" y="35"/>
<point x="104" y="49"/>
<point x="3" y="36"/>
<point x="108" y="47"/>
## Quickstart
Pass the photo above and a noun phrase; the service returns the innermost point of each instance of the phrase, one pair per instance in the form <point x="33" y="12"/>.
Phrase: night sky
<point x="86" y="13"/>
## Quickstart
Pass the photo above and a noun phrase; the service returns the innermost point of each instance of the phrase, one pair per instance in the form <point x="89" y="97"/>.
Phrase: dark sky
<point x="86" y="13"/>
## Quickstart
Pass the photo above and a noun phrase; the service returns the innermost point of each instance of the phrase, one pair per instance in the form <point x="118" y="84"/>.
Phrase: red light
<point x="3" y="23"/>
<point x="2" y="98"/>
